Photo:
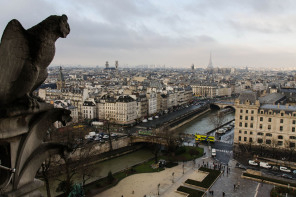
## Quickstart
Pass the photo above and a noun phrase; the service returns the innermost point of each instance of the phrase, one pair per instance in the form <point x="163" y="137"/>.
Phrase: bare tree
<point x="217" y="119"/>
<point x="86" y="155"/>
<point x="156" y="145"/>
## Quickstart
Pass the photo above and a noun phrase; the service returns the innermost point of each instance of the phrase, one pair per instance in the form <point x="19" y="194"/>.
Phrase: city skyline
<point x="250" y="33"/>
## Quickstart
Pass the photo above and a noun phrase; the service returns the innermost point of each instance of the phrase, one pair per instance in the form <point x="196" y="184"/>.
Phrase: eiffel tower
<point x="210" y="66"/>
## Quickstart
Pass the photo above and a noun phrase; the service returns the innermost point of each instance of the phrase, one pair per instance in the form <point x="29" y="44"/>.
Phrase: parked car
<point x="275" y="168"/>
<point x="105" y="136"/>
<point x="113" y="135"/>
<point x="294" y="171"/>
<point x="241" y="166"/>
<point x="284" y="169"/>
<point x="253" y="163"/>
<point x="264" y="165"/>
<point x="213" y="152"/>
<point x="287" y="176"/>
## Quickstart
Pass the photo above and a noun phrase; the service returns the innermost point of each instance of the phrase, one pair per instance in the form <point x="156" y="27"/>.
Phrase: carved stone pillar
<point x="22" y="148"/>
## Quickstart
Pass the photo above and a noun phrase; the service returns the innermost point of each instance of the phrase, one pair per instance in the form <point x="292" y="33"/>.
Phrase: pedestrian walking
<point x="234" y="187"/>
<point x="223" y="194"/>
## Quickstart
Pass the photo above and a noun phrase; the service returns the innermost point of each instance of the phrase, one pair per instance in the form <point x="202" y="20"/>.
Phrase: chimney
<point x="287" y="106"/>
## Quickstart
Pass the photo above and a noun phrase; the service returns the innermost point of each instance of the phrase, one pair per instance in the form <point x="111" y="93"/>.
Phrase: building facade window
<point x="293" y="129"/>
<point x="259" y="140"/>
<point x="260" y="126"/>
<point x="246" y="132"/>
<point x="269" y="127"/>
<point x="268" y="141"/>
<point x="246" y="124"/>
<point x="261" y="118"/>
<point x="259" y="133"/>
<point x="269" y="119"/>
<point x="239" y="138"/>
<point x="268" y="134"/>
<point x="245" y="139"/>
<point x="246" y="118"/>
<point x="280" y="137"/>
<point x="251" y="139"/>
<point x="240" y="117"/>
<point x="281" y="128"/>
<point x="282" y="121"/>
<point x="293" y="137"/>
<point x="280" y="143"/>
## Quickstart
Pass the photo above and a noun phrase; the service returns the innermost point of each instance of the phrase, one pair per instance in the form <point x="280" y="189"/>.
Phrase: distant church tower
<point x="107" y="65"/>
<point x="210" y="66"/>
<point x="61" y="80"/>
<point x="116" y="65"/>
<point x="192" y="67"/>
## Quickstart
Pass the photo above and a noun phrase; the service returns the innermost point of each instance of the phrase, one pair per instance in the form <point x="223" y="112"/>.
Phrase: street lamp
<point x="173" y="177"/>
<point x="158" y="188"/>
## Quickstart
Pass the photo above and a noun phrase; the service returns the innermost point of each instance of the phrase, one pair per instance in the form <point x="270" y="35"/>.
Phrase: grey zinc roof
<point x="279" y="107"/>
<point x="271" y="98"/>
<point x="248" y="95"/>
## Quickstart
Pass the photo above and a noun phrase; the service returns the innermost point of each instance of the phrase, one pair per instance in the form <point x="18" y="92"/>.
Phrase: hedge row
<point x="191" y="192"/>
<point x="269" y="179"/>
<point x="207" y="181"/>
<point x="282" y="191"/>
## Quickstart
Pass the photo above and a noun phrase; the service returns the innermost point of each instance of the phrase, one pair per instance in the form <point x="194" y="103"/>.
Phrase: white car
<point x="253" y="163"/>
<point x="105" y="136"/>
<point x="213" y="152"/>
<point x="264" y="165"/>
<point x="113" y="135"/>
<point x="284" y="169"/>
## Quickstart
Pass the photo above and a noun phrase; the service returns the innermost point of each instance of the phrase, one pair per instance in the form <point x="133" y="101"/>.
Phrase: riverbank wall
<point x="188" y="119"/>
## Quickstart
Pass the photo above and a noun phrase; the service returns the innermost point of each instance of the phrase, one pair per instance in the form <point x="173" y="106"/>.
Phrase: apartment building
<point x="89" y="110"/>
<point x="119" y="109"/>
<point x="268" y="125"/>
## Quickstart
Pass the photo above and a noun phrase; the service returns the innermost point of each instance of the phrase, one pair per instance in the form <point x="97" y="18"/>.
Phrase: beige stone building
<point x="204" y="91"/>
<point x="119" y="109"/>
<point x="268" y="125"/>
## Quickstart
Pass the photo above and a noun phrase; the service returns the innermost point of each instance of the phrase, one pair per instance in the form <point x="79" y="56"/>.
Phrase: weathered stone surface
<point x="24" y="121"/>
<point x="24" y="58"/>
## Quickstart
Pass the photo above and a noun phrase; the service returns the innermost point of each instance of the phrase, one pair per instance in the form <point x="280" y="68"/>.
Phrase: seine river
<point x="203" y="124"/>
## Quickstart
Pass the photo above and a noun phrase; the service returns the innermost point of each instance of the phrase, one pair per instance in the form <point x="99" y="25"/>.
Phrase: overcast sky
<point x="254" y="33"/>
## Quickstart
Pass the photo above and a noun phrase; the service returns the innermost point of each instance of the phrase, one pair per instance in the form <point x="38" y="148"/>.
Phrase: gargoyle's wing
<point x="14" y="52"/>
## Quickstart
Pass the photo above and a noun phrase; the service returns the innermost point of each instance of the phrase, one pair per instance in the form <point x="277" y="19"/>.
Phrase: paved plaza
<point x="170" y="179"/>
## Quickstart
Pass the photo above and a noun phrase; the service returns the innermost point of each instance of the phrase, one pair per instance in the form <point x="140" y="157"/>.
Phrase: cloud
<point x="166" y="32"/>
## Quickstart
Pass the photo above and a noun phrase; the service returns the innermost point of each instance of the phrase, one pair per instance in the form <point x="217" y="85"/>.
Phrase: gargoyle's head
<point x="64" y="26"/>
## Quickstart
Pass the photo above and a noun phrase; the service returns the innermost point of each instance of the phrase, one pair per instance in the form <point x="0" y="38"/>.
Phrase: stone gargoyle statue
<point x="25" y="56"/>
<point x="24" y="120"/>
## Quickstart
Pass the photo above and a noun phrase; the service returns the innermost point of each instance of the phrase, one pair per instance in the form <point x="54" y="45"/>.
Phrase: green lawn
<point x="191" y="192"/>
<point x="270" y="179"/>
<point x="146" y="167"/>
<point x="103" y="183"/>
<point x="185" y="153"/>
<point x="207" y="181"/>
